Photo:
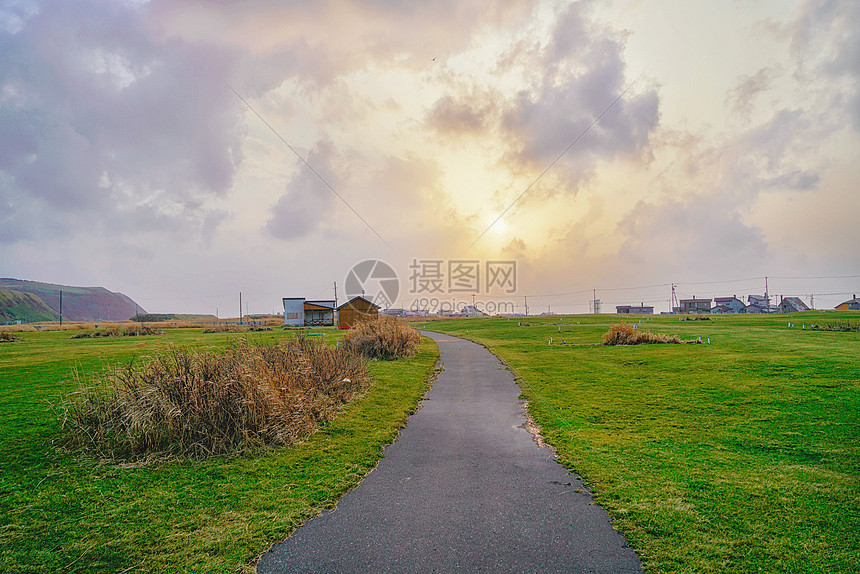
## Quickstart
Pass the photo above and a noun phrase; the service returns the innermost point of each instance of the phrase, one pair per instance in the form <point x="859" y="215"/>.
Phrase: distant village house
<point x="852" y="304"/>
<point x="641" y="309"/>
<point x="792" y="305"/>
<point x="471" y="311"/>
<point x="727" y="305"/>
<point x="759" y="304"/>
<point x="694" y="306"/>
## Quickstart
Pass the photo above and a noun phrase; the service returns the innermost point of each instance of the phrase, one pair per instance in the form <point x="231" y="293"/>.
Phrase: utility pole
<point x="240" y="307"/>
<point x="594" y="303"/>
<point x="674" y="300"/>
<point x="766" y="296"/>
<point x="335" y="294"/>
<point x="526" y="300"/>
<point x="61" y="307"/>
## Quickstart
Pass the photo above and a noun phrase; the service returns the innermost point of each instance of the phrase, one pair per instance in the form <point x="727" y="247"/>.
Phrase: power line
<point x="719" y="282"/>
<point x="556" y="160"/>
<point x="309" y="166"/>
<point x="819" y="277"/>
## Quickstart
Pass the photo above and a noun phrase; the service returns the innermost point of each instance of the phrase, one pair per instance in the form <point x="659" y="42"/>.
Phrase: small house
<point x="695" y="306"/>
<point x="395" y="312"/>
<point x="294" y="311"/>
<point x="757" y="304"/>
<point x="319" y="313"/>
<point x="299" y="312"/>
<point x="471" y="311"/>
<point x="792" y="305"/>
<point x="852" y="304"/>
<point x="730" y="305"/>
<point x="353" y="311"/>
<point x="641" y="309"/>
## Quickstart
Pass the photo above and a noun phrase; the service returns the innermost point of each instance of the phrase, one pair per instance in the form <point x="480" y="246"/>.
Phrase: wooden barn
<point x="354" y="310"/>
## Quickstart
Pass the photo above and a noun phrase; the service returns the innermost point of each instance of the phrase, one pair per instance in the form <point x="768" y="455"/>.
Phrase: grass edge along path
<point x="59" y="513"/>
<point x="736" y="457"/>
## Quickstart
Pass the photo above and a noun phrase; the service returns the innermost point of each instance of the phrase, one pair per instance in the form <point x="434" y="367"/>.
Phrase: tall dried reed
<point x="203" y="403"/>
<point x="383" y="338"/>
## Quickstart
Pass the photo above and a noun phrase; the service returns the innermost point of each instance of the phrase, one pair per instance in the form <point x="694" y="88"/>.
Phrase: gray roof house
<point x="792" y="305"/>
<point x="694" y="306"/>
<point x="760" y="304"/>
<point x="640" y="309"/>
<point x="730" y="305"/>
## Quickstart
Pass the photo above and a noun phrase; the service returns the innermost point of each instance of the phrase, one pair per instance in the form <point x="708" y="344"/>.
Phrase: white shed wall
<point x="294" y="312"/>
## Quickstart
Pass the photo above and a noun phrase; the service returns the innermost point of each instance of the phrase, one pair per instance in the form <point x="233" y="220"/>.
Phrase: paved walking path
<point x="464" y="489"/>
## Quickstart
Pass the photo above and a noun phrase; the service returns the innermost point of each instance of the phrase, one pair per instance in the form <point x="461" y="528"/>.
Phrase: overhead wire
<point x="555" y="161"/>
<point x="309" y="166"/>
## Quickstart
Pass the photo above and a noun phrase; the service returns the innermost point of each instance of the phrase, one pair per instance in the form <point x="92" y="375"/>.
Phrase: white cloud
<point x="122" y="142"/>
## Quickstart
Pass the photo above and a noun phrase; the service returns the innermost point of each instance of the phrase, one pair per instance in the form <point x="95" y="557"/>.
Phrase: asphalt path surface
<point x="465" y="488"/>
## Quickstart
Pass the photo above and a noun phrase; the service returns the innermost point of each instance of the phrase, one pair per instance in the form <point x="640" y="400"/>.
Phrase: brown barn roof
<point x="349" y="303"/>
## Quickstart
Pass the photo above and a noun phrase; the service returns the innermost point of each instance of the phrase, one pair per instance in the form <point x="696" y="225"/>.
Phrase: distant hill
<point x="79" y="303"/>
<point x="26" y="307"/>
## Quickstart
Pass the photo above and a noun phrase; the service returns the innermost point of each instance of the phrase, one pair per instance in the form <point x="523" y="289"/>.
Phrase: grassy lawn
<point x="61" y="513"/>
<point x="736" y="456"/>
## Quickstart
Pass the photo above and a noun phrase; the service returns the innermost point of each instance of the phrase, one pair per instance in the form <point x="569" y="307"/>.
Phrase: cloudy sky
<point x="183" y="151"/>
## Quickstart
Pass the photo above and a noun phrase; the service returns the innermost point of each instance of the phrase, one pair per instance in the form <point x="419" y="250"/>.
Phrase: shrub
<point x="229" y="328"/>
<point x="7" y="337"/>
<point x="205" y="403"/>
<point x="139" y="330"/>
<point x="383" y="338"/>
<point x="845" y="327"/>
<point x="130" y="331"/>
<point x="624" y="334"/>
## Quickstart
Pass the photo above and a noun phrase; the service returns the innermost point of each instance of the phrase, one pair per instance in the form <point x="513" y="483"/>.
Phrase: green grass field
<point x="64" y="513"/>
<point x="736" y="456"/>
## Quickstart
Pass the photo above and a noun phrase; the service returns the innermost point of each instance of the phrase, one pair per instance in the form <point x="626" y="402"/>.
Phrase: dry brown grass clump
<point x="624" y="334"/>
<point x="7" y="337"/>
<point x="843" y="327"/>
<point x="129" y="331"/>
<point x="228" y="328"/>
<point x="383" y="338"/>
<point x="204" y="403"/>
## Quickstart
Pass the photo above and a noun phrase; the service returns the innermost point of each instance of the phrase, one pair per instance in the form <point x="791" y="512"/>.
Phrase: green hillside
<point x="25" y="307"/>
<point x="79" y="303"/>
